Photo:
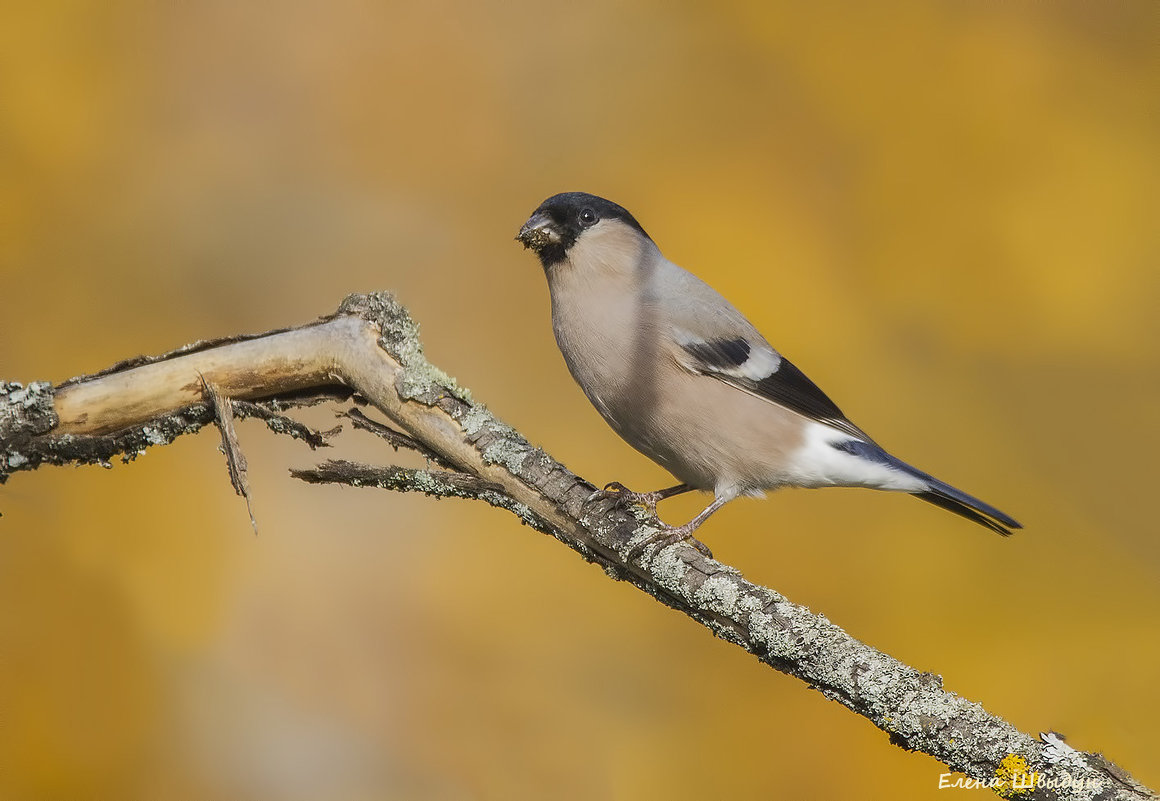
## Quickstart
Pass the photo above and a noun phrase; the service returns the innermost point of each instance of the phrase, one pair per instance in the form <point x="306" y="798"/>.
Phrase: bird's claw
<point x="615" y="491"/>
<point x="666" y="535"/>
<point x="669" y="535"/>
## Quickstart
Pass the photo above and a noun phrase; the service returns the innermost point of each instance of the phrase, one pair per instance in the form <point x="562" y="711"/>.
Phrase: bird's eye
<point x="588" y="217"/>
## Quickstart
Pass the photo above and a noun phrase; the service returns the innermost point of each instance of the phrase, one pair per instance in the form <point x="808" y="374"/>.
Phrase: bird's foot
<point x="624" y="496"/>
<point x="615" y="491"/>
<point x="666" y="536"/>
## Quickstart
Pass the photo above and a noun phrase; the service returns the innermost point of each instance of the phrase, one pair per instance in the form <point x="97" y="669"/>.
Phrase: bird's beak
<point x="538" y="232"/>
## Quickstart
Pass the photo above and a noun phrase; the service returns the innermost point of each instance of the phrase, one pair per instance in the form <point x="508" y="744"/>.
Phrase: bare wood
<point x="223" y="409"/>
<point x="261" y="367"/>
<point x="371" y="346"/>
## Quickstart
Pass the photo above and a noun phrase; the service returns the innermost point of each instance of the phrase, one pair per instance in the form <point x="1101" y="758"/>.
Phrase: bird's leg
<point x="670" y="534"/>
<point x="649" y="500"/>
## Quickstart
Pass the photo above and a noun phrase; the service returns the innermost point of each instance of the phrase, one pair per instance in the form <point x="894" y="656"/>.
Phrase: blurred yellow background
<point x="945" y="213"/>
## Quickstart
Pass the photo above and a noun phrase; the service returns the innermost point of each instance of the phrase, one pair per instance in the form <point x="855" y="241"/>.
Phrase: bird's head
<point x="567" y="220"/>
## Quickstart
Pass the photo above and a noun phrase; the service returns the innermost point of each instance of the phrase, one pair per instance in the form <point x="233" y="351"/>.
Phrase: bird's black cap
<point x="554" y="227"/>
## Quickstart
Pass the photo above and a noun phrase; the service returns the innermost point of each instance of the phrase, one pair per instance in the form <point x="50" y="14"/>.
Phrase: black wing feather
<point x="786" y="386"/>
<point x="719" y="354"/>
<point x="790" y="387"/>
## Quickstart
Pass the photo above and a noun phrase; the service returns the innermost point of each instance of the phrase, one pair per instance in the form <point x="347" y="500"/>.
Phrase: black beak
<point x="538" y="232"/>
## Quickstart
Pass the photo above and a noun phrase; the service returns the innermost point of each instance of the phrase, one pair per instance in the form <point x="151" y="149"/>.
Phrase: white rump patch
<point x="817" y="463"/>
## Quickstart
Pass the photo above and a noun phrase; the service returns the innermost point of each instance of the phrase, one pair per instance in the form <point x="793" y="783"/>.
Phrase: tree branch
<point x="370" y="347"/>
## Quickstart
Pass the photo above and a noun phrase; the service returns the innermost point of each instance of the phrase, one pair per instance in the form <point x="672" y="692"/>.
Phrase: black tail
<point x="937" y="492"/>
<point x="971" y="508"/>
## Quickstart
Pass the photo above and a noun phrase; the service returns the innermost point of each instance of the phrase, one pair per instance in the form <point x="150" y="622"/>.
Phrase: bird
<point x="684" y="378"/>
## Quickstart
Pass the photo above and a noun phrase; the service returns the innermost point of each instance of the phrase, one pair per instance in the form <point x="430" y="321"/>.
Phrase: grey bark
<point x="370" y="347"/>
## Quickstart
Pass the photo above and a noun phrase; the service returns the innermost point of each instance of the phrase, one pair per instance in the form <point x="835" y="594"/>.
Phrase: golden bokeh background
<point x="944" y="212"/>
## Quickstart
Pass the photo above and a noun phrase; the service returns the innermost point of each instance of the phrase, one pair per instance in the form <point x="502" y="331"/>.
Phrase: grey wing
<point x="714" y="339"/>
<point x="784" y="384"/>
